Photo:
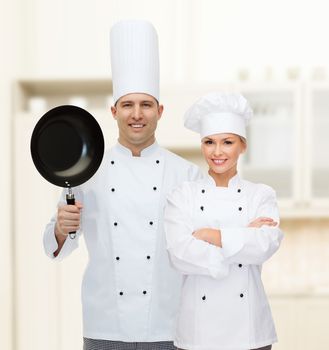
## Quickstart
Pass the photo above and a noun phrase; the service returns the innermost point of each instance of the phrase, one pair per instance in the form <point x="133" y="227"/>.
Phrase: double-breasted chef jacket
<point x="223" y="304"/>
<point x="130" y="292"/>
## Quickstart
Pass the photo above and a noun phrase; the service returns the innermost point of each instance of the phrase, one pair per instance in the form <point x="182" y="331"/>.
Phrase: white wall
<point x="71" y="38"/>
<point x="199" y="39"/>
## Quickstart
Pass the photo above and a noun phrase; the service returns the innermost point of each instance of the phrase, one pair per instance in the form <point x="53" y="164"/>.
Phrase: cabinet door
<point x="272" y="136"/>
<point x="318" y="143"/>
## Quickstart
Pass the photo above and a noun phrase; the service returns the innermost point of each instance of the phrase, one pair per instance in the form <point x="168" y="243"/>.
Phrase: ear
<point x="114" y="112"/>
<point x="160" y="111"/>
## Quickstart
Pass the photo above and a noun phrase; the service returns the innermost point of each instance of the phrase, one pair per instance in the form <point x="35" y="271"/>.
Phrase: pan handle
<point x="71" y="200"/>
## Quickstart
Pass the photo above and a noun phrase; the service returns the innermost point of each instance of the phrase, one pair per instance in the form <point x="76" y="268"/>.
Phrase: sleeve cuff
<point x="51" y="245"/>
<point x="232" y="242"/>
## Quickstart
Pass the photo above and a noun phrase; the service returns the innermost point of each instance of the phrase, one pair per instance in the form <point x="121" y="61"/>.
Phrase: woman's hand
<point x="259" y="222"/>
<point x="209" y="235"/>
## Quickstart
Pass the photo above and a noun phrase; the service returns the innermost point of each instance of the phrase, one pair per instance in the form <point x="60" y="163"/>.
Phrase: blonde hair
<point x="243" y="139"/>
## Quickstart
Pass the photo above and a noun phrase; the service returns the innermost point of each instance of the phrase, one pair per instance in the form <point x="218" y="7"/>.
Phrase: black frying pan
<point x="67" y="147"/>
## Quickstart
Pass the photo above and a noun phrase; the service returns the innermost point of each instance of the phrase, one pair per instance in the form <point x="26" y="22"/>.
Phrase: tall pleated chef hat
<point x="134" y="58"/>
<point x="217" y="113"/>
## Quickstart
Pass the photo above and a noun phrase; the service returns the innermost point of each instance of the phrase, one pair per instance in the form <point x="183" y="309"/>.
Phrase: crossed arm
<point x="214" y="236"/>
<point x="210" y="251"/>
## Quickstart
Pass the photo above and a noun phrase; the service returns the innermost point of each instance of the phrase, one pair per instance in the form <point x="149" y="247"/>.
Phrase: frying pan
<point x="67" y="147"/>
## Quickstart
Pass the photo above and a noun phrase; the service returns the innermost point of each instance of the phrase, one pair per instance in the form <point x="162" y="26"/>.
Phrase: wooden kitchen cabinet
<point x="273" y="137"/>
<point x="317" y="140"/>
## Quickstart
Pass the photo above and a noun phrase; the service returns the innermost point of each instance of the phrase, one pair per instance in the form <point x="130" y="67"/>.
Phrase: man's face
<point x="137" y="116"/>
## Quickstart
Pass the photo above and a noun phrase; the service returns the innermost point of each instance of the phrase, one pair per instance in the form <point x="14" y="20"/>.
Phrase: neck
<point x="222" y="180"/>
<point x="136" y="150"/>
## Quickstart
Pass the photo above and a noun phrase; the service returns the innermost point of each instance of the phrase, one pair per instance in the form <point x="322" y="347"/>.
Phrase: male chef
<point x="130" y="293"/>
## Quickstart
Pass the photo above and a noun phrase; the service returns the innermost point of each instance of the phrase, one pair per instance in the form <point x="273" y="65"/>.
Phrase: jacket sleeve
<point x="195" y="173"/>
<point x="254" y="245"/>
<point x="49" y="240"/>
<point x="188" y="254"/>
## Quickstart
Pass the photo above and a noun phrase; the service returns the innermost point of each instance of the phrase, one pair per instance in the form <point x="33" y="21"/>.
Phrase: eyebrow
<point x="143" y="101"/>
<point x="208" y="138"/>
<point x="224" y="139"/>
<point x="228" y="138"/>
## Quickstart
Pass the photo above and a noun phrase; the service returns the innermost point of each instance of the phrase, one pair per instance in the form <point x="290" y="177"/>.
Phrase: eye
<point x="147" y="105"/>
<point x="126" y="105"/>
<point x="208" y="142"/>
<point x="228" y="142"/>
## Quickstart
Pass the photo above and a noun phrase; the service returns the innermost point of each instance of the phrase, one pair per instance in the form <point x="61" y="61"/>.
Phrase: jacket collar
<point x="146" y="152"/>
<point x="234" y="181"/>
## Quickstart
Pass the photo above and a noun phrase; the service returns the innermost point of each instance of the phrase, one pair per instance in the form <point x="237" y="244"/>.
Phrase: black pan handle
<point x="71" y="200"/>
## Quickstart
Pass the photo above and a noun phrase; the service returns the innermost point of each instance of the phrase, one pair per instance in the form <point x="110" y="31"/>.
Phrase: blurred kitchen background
<point x="274" y="52"/>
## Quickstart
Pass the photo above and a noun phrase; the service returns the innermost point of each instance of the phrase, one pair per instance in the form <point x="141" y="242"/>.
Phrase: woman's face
<point x="221" y="152"/>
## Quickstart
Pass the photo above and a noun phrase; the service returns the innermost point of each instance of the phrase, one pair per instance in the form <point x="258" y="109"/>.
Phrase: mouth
<point x="219" y="162"/>
<point x="136" y="126"/>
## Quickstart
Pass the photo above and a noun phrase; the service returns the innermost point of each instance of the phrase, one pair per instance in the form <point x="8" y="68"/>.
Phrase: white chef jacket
<point x="223" y="303"/>
<point x="130" y="292"/>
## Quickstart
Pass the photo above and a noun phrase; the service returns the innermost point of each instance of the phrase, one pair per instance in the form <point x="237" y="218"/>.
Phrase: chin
<point x="219" y="171"/>
<point x="136" y="138"/>
<point x="136" y="142"/>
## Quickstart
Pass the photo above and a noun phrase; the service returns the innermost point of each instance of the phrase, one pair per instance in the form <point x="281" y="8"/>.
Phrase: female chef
<point x="220" y="230"/>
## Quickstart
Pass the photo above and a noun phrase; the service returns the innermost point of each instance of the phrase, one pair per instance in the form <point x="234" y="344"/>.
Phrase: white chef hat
<point x="217" y="113"/>
<point x="134" y="58"/>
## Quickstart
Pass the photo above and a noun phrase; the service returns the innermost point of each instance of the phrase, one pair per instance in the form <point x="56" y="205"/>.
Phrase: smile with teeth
<point x="137" y="126"/>
<point x="219" y="161"/>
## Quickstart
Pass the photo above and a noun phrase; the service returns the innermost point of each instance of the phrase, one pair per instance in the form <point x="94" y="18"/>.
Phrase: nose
<point x="137" y="113"/>
<point x="217" y="150"/>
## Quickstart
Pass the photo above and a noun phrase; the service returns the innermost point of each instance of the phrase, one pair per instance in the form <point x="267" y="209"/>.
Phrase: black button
<point x="239" y="190"/>
<point x="118" y="258"/>
<point x="112" y="161"/>
<point x="121" y="293"/>
<point x="241" y="295"/>
<point x="115" y="224"/>
<point x="201" y="208"/>
<point x="151" y="222"/>
<point x="204" y="297"/>
<point x="240" y="265"/>
<point x="240" y="208"/>
<point x="154" y="188"/>
<point x="157" y="161"/>
<point x="148" y="257"/>
<point x="203" y="191"/>
<point x="112" y="189"/>
<point x="144" y="291"/>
